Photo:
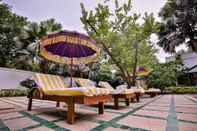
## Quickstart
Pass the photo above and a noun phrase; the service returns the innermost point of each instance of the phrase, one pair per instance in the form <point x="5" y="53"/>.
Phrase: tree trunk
<point x="135" y="64"/>
<point x="122" y="70"/>
<point x="44" y="66"/>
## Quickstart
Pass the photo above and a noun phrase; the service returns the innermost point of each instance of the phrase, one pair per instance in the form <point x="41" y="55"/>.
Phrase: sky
<point x="68" y="12"/>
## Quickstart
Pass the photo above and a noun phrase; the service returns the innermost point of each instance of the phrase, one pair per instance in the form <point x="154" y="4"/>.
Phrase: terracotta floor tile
<point x="189" y="117"/>
<point x="115" y="129"/>
<point x="42" y="128"/>
<point x="10" y="115"/>
<point x="152" y="113"/>
<point x="166" y="109"/>
<point x="186" y="109"/>
<point x="187" y="126"/>
<point x="19" y="123"/>
<point x="144" y="123"/>
<point x="79" y="125"/>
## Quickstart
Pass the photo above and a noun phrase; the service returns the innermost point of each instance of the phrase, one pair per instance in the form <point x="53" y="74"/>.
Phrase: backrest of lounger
<point x="106" y="85"/>
<point x="48" y="82"/>
<point x="84" y="82"/>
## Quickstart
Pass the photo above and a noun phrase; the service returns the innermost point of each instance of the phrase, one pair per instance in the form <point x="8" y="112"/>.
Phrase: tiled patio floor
<point x="161" y="113"/>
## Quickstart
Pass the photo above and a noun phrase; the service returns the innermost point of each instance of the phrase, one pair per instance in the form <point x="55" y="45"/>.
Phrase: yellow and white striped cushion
<point x="106" y="85"/>
<point x="84" y="82"/>
<point x="69" y="91"/>
<point x="77" y="91"/>
<point x="48" y="82"/>
<point x="137" y="89"/>
<point x="96" y="91"/>
<point x="153" y="90"/>
<point x="54" y="85"/>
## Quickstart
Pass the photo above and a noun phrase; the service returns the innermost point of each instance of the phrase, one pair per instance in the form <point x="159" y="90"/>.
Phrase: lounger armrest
<point x="35" y="92"/>
<point x="28" y="83"/>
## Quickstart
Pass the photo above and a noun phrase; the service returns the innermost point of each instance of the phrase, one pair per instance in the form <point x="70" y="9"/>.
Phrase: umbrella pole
<point x="71" y="73"/>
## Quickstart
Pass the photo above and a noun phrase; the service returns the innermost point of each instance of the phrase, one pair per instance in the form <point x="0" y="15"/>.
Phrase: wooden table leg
<point x="131" y="100"/>
<point x="127" y="101"/>
<point x="58" y="104"/>
<point x="116" y="103"/>
<point x="152" y="95"/>
<point x="137" y="97"/>
<point x="29" y="104"/>
<point x="71" y="110"/>
<point x="101" y="107"/>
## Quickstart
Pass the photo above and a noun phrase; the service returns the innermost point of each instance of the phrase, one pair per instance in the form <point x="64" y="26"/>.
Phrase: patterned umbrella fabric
<point x="141" y="71"/>
<point x="69" y="47"/>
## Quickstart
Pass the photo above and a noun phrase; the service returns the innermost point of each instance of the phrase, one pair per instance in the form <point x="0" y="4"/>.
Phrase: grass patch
<point x="182" y="90"/>
<point x="12" y="92"/>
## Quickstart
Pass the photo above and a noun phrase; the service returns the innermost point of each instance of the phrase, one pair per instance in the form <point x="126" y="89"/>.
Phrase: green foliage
<point x="12" y="92"/>
<point x="168" y="9"/>
<point x="178" y="25"/>
<point x="19" y="40"/>
<point x="182" y="90"/>
<point x="105" y="73"/>
<point x="10" y="26"/>
<point x="117" y="30"/>
<point x="164" y="75"/>
<point x="29" y="40"/>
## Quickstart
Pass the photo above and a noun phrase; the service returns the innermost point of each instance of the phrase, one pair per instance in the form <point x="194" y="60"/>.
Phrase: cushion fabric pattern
<point x="54" y="85"/>
<point x="48" y="82"/>
<point x="153" y="90"/>
<point x="106" y="85"/>
<point x="122" y="89"/>
<point x="84" y="82"/>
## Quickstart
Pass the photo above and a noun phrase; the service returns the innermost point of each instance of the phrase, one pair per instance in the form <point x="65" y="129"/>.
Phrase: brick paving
<point x="161" y="113"/>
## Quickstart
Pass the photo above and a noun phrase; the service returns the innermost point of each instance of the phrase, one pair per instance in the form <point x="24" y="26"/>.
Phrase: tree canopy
<point x="179" y="20"/>
<point x="118" y="30"/>
<point x="19" y="40"/>
<point x="10" y="26"/>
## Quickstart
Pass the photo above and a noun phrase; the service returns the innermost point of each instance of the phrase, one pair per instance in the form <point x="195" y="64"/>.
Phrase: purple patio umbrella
<point x="69" y="47"/>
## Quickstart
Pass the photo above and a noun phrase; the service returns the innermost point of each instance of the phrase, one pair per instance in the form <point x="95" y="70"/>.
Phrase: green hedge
<point x="181" y="90"/>
<point x="12" y="92"/>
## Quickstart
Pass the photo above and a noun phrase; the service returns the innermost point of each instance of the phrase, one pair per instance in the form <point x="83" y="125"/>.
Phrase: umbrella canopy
<point x="69" y="47"/>
<point x="141" y="71"/>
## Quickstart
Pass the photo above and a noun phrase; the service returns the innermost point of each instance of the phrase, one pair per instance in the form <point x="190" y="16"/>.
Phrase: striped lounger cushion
<point x="54" y="85"/>
<point x="122" y="89"/>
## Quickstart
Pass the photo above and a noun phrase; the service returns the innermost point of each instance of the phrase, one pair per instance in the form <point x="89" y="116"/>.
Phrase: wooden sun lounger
<point x="152" y="93"/>
<point x="70" y="100"/>
<point x="137" y="95"/>
<point x="128" y="98"/>
<point x="46" y="82"/>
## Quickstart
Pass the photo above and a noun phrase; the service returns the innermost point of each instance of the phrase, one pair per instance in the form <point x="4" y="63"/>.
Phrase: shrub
<point x="12" y="92"/>
<point x="164" y="75"/>
<point x="182" y="90"/>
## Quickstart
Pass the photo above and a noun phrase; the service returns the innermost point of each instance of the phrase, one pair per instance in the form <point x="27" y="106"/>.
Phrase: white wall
<point x="10" y="78"/>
